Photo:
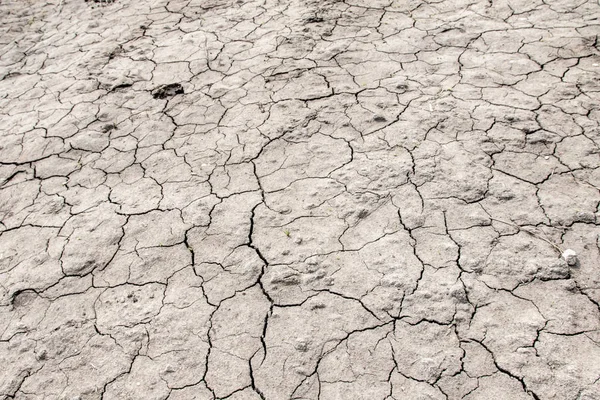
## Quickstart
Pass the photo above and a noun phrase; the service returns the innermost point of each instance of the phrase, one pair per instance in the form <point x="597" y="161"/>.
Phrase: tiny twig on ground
<point x="560" y="251"/>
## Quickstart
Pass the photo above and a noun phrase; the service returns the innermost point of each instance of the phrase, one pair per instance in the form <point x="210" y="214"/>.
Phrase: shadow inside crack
<point x="166" y="91"/>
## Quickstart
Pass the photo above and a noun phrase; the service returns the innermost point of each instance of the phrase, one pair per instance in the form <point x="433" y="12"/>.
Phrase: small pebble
<point x="570" y="257"/>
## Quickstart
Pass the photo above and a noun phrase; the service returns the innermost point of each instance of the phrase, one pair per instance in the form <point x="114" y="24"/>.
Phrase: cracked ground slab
<point x="299" y="199"/>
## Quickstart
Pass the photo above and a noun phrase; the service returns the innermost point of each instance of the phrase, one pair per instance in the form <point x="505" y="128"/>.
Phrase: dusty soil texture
<point x="299" y="199"/>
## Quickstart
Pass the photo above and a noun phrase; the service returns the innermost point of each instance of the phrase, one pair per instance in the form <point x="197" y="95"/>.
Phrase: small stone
<point x="301" y="345"/>
<point x="41" y="356"/>
<point x="570" y="256"/>
<point x="312" y="261"/>
<point x="285" y="210"/>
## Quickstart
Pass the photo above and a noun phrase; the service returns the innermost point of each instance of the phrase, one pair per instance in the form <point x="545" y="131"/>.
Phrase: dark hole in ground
<point x="169" y="90"/>
<point x="109" y="127"/>
<point x="313" y="20"/>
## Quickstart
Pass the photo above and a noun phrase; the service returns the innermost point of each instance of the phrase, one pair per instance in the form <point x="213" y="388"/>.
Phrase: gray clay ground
<point x="343" y="199"/>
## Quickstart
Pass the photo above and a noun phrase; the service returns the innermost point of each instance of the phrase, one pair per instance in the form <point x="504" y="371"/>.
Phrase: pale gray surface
<point x="358" y="199"/>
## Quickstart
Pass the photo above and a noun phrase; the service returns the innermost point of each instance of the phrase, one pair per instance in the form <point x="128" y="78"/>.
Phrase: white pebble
<point x="570" y="256"/>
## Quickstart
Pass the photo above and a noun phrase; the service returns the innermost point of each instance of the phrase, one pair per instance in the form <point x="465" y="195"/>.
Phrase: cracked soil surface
<point x="299" y="199"/>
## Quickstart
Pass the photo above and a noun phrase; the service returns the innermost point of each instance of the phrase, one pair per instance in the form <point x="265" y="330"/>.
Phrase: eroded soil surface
<point x="299" y="199"/>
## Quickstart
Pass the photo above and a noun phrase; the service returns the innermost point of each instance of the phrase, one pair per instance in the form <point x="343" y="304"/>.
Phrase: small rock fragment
<point x="302" y="345"/>
<point x="570" y="257"/>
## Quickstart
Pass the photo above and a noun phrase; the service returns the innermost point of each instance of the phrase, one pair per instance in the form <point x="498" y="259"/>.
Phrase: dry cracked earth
<point x="299" y="199"/>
